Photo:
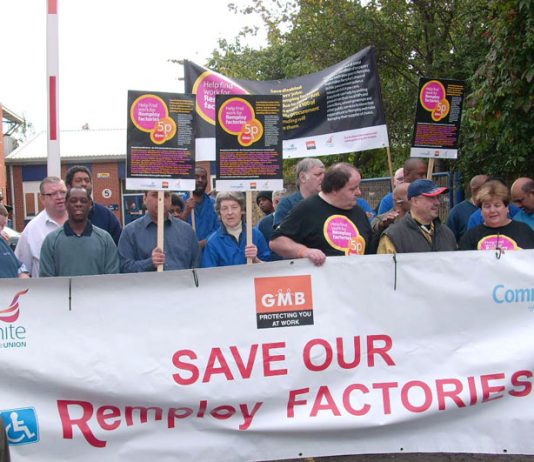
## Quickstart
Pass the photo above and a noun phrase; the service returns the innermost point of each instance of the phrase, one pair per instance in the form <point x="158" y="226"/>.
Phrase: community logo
<point x="342" y="234"/>
<point x="237" y="117"/>
<point x="310" y="145"/>
<point x="12" y="335"/>
<point x="21" y="425"/>
<point x="284" y="301"/>
<point x="506" y="295"/>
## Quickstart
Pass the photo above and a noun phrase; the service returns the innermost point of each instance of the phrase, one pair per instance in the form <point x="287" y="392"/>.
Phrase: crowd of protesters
<point x="326" y="216"/>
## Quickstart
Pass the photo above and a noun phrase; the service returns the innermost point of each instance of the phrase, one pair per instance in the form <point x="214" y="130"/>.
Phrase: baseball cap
<point x="264" y="194"/>
<point x="425" y="188"/>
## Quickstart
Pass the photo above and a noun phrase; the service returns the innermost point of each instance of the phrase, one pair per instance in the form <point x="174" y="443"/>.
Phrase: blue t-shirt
<point x="206" y="219"/>
<point x="386" y="204"/>
<point x="459" y="216"/>
<point x="524" y="217"/>
<point x="9" y="264"/>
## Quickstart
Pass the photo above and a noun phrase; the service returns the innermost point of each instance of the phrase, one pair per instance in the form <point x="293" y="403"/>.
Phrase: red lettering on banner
<point x="452" y="393"/>
<point x="143" y="414"/>
<point x="326" y="352"/>
<point x="268" y="358"/>
<point x="347" y="404"/>
<point x="328" y="355"/>
<point x="177" y="413"/>
<point x="472" y="390"/>
<point x="222" y="412"/>
<point x="330" y="404"/>
<point x="487" y="389"/>
<point x="245" y="371"/>
<point x="293" y="401"/>
<point x="68" y="423"/>
<point x="218" y="364"/>
<point x="185" y="366"/>
<point x="385" y="387"/>
<point x="373" y="350"/>
<point x="101" y="418"/>
<point x="223" y="368"/>
<point x="405" y="396"/>
<point x="108" y="412"/>
<point x="526" y="385"/>
<point x="341" y="357"/>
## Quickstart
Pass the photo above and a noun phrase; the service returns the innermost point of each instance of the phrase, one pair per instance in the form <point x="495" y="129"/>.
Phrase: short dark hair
<point x="337" y="176"/>
<point x="75" y="169"/>
<point x="177" y="201"/>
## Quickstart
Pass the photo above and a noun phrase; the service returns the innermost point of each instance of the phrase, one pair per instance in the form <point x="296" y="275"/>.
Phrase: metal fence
<point x="374" y="189"/>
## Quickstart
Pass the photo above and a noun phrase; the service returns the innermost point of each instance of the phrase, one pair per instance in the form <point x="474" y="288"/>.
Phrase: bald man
<point x="523" y="196"/>
<point x="401" y="205"/>
<point x="386" y="204"/>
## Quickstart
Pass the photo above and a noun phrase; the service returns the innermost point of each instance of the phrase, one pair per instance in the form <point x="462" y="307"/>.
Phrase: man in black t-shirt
<point x="328" y="223"/>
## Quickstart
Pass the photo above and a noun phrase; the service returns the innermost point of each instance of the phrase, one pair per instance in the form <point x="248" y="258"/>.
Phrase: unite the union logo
<point x="11" y="314"/>
<point x="12" y="335"/>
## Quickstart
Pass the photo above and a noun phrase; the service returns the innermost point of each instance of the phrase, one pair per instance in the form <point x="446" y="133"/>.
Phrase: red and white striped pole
<point x="52" y="71"/>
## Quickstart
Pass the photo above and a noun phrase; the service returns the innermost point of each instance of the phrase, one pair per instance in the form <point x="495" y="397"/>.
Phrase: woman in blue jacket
<point x="227" y="246"/>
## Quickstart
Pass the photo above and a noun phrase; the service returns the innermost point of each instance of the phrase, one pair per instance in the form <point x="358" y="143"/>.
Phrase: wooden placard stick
<point x="248" y="206"/>
<point x="430" y="170"/>
<point x="161" y="221"/>
<point x="193" y="221"/>
<point x="390" y="167"/>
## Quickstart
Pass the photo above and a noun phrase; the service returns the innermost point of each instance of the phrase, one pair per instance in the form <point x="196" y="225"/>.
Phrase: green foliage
<point x="488" y="44"/>
<point x="499" y="121"/>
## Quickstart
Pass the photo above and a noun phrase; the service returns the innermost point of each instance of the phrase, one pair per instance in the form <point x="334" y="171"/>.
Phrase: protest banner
<point x="428" y="353"/>
<point x="333" y="111"/>
<point x="437" y="119"/>
<point x="160" y="141"/>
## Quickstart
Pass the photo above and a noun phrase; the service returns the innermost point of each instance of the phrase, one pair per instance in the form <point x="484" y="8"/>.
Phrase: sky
<point x="106" y="47"/>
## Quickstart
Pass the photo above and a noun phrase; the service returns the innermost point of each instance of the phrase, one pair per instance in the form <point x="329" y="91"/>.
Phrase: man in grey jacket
<point x="419" y="230"/>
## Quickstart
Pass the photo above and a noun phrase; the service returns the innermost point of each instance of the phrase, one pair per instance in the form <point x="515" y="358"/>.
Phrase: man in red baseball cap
<point x="420" y="230"/>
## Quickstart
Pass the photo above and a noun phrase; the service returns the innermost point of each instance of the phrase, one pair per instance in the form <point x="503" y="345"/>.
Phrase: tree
<point x="413" y="38"/>
<point x="499" y="120"/>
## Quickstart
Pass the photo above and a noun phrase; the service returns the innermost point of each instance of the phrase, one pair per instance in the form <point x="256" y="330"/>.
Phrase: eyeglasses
<point x="55" y="194"/>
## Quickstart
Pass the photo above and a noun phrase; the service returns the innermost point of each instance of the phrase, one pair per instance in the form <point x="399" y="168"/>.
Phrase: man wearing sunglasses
<point x="52" y="196"/>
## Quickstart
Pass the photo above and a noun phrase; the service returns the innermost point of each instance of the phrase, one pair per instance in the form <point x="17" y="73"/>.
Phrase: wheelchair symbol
<point x="21" y="426"/>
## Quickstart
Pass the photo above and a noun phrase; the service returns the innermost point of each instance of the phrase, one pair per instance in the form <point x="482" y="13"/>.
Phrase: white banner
<point x="433" y="353"/>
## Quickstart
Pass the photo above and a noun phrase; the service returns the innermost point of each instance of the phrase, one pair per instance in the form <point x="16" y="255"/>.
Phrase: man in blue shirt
<point x="309" y="176"/>
<point x="206" y="220"/>
<point x="460" y="213"/>
<point x="80" y="177"/>
<point x="523" y="196"/>
<point x="138" y="251"/>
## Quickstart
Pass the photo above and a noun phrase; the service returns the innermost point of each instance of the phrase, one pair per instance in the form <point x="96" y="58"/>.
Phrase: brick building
<point x="102" y="151"/>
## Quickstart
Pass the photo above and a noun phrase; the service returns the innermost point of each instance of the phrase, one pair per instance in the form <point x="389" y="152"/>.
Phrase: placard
<point x="161" y="145"/>
<point x="249" y="143"/>
<point x="437" y="119"/>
